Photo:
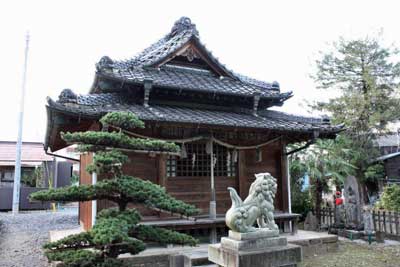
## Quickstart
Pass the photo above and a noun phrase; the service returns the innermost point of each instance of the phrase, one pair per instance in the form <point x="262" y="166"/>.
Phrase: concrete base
<point x="312" y="243"/>
<point x="257" y="249"/>
<point x="285" y="256"/>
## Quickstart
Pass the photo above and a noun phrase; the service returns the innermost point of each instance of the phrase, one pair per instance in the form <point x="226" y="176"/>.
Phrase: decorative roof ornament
<point x="67" y="96"/>
<point x="325" y="120"/>
<point x="105" y="63"/>
<point x="190" y="54"/>
<point x="275" y="85"/>
<point x="183" y="24"/>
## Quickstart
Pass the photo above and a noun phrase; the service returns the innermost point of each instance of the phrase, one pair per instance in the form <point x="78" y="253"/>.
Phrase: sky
<point x="267" y="40"/>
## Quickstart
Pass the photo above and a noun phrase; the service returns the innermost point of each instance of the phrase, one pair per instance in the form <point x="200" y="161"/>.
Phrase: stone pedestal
<point x="263" y="248"/>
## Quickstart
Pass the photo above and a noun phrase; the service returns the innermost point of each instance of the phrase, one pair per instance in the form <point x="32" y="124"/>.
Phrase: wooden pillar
<point x="285" y="190"/>
<point x="162" y="170"/>
<point x="242" y="178"/>
<point x="85" y="207"/>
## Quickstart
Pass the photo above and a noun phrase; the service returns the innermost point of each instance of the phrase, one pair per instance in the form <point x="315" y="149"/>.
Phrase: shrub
<point x="390" y="199"/>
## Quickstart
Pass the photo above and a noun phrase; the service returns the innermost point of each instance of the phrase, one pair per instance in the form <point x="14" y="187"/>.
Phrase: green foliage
<point x="33" y="178"/>
<point x="74" y="179"/>
<point x="326" y="160"/>
<point x="390" y="199"/>
<point x="118" y="140"/>
<point x="132" y="216"/>
<point x="124" y="120"/>
<point x="107" y="162"/>
<point x="163" y="236"/>
<point x="301" y="201"/>
<point x="117" y="230"/>
<point x="80" y="240"/>
<point x="28" y="179"/>
<point x="122" y="190"/>
<point x="65" y="194"/>
<point x="375" y="172"/>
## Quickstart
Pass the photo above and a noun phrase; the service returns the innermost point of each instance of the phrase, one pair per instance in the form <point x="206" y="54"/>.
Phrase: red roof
<point x="32" y="153"/>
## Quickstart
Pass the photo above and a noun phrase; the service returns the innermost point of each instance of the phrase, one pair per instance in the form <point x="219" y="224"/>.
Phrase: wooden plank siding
<point x="141" y="166"/>
<point x="196" y="190"/>
<point x="271" y="162"/>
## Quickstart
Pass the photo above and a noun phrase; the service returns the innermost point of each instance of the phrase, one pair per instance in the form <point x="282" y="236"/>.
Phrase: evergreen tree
<point x="364" y="73"/>
<point x="117" y="230"/>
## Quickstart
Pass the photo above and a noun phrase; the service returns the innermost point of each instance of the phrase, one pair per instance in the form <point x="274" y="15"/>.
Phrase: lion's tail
<point x="236" y="200"/>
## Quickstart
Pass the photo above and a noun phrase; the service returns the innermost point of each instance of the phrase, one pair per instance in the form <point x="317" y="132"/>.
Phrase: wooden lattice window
<point x="196" y="162"/>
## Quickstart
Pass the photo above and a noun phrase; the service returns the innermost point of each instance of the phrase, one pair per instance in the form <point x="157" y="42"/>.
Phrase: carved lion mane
<point x="258" y="206"/>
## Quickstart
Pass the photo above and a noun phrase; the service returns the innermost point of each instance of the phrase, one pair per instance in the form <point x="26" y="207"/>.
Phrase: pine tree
<point x="367" y="76"/>
<point x="117" y="230"/>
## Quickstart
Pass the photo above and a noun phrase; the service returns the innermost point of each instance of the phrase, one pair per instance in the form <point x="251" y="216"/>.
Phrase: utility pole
<point x="17" y="172"/>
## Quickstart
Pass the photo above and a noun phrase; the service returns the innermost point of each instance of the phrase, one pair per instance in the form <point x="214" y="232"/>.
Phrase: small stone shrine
<point x="250" y="246"/>
<point x="311" y="222"/>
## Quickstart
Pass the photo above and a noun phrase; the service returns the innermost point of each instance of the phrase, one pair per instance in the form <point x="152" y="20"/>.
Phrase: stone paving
<point x="22" y="235"/>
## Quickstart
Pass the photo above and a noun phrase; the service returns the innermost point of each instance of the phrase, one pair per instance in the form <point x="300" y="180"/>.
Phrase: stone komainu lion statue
<point x="258" y="206"/>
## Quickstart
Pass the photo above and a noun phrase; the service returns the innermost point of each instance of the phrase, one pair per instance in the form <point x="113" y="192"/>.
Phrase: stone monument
<point x="352" y="206"/>
<point x="311" y="222"/>
<point x="250" y="246"/>
<point x="368" y="221"/>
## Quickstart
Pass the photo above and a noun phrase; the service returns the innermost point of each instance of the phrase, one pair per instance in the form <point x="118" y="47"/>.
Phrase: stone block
<point x="253" y="244"/>
<point x="262" y="233"/>
<point x="289" y="255"/>
<point x="161" y="260"/>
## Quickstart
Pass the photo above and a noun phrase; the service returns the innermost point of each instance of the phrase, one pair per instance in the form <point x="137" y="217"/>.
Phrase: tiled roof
<point x="203" y="82"/>
<point x="31" y="152"/>
<point x="142" y="66"/>
<point x="96" y="105"/>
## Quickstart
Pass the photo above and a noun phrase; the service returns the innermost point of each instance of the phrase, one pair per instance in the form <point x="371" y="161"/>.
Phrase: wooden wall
<point x="272" y="162"/>
<point x="392" y="168"/>
<point x="196" y="190"/>
<point x="142" y="166"/>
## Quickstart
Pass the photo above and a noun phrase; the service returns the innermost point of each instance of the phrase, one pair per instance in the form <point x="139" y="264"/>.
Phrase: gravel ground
<point x="22" y="236"/>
